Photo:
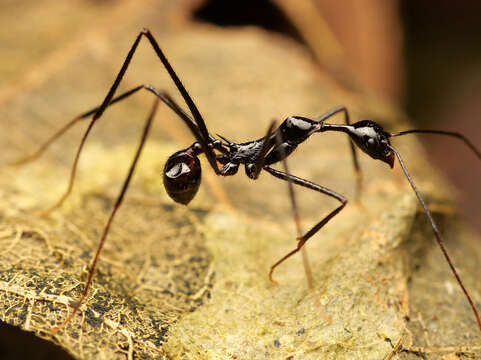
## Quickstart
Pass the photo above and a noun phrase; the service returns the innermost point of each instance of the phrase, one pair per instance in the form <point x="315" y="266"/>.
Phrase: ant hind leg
<point x="117" y="204"/>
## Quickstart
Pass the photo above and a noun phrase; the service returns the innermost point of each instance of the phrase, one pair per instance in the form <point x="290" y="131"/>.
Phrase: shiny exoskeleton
<point x="182" y="171"/>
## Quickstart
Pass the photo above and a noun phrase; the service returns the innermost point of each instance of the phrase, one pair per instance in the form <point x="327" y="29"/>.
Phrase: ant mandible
<point x="182" y="171"/>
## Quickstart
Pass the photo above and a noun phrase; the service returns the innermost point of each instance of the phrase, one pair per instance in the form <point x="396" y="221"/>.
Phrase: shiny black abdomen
<point x="182" y="176"/>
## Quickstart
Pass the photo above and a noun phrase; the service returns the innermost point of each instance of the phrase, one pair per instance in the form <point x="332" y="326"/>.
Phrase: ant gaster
<point x="182" y="172"/>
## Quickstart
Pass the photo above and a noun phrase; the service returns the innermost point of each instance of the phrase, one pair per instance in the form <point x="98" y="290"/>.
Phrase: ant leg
<point x="357" y="168"/>
<point x="117" y="204"/>
<point x="336" y="110"/>
<point x="163" y="96"/>
<point x="297" y="220"/>
<point x="437" y="234"/>
<point x="199" y="129"/>
<point x="65" y="128"/>
<point x="295" y="215"/>
<point x="203" y="136"/>
<point x="305" y="258"/>
<point x="310" y="185"/>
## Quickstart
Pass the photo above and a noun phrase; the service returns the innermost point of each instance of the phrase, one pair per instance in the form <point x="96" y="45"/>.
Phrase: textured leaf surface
<point x="192" y="282"/>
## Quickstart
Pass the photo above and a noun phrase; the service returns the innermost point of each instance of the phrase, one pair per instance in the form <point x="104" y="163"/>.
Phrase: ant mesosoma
<point x="182" y="171"/>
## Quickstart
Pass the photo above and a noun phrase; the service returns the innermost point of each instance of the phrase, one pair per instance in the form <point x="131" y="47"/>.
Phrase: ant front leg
<point x="310" y="185"/>
<point x="355" y="161"/>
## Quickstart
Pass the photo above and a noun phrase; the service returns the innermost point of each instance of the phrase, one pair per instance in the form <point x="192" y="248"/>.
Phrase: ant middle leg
<point x="163" y="96"/>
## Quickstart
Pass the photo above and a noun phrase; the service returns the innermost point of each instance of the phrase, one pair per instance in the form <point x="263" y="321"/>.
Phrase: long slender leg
<point x="336" y="110"/>
<point x="65" y="128"/>
<point x="117" y="204"/>
<point x="297" y="221"/>
<point x="357" y="168"/>
<point x="295" y="215"/>
<point x="305" y="257"/>
<point x="310" y="185"/>
<point x="161" y="95"/>
<point x="199" y="130"/>
<point x="437" y="234"/>
<point x="204" y="134"/>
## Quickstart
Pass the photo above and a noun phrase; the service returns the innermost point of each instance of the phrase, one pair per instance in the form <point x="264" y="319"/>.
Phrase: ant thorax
<point x="296" y="129"/>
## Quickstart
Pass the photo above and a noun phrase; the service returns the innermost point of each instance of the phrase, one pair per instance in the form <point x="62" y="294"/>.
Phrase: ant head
<point x="373" y="140"/>
<point x="182" y="175"/>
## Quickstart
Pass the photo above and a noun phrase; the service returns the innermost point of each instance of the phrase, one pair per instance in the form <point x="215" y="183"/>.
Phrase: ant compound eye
<point x="182" y="176"/>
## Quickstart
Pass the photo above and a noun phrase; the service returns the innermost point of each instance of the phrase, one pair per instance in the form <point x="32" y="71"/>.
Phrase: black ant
<point x="182" y="171"/>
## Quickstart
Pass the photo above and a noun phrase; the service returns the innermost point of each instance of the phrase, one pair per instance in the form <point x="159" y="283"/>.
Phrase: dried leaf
<point x="192" y="282"/>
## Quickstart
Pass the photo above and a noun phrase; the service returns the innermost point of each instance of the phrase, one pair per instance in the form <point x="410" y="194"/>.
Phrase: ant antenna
<point x="437" y="234"/>
<point x="440" y="132"/>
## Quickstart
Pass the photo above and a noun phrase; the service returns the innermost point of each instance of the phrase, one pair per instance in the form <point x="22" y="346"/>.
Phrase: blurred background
<point x="420" y="57"/>
<point x="423" y="57"/>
